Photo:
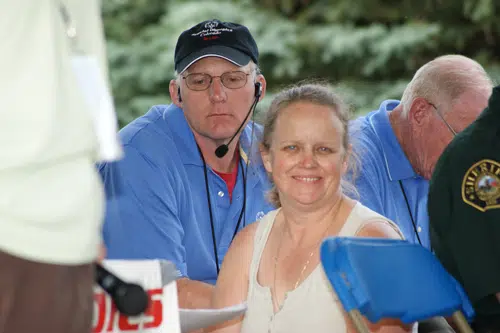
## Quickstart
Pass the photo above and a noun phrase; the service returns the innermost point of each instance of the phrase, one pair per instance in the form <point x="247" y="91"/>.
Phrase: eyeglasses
<point x="201" y="81"/>
<point x="444" y="121"/>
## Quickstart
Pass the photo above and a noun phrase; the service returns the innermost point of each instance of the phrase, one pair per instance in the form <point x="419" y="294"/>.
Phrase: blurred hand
<point x="102" y="253"/>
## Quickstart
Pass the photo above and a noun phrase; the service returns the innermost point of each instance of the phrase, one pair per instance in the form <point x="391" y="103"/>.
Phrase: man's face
<point x="217" y="112"/>
<point x="434" y="135"/>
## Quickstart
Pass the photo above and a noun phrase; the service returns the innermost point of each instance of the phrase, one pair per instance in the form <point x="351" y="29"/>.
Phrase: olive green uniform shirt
<point x="464" y="210"/>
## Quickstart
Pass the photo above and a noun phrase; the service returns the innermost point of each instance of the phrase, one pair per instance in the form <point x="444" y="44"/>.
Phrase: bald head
<point x="446" y="79"/>
<point x="444" y="97"/>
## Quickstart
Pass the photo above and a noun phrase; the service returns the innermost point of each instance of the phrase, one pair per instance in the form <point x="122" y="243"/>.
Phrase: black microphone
<point x="130" y="299"/>
<point x="222" y="150"/>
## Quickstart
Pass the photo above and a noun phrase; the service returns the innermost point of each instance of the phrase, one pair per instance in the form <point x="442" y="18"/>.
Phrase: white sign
<point x="158" y="279"/>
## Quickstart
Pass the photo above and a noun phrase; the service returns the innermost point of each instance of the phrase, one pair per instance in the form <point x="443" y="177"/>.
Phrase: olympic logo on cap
<point x="211" y="24"/>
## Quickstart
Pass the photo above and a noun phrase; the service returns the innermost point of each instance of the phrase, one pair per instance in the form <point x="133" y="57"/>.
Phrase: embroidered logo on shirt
<point x="481" y="185"/>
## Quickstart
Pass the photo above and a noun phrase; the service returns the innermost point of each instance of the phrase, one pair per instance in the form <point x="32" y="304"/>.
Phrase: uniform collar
<point x="493" y="108"/>
<point x="396" y="163"/>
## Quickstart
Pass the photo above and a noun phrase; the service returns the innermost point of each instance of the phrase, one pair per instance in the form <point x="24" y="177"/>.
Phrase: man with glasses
<point x="464" y="213"/>
<point x="192" y="175"/>
<point x="399" y="144"/>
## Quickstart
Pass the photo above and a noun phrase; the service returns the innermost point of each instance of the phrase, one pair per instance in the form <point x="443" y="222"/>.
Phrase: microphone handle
<point x="107" y="280"/>
<point x="252" y="107"/>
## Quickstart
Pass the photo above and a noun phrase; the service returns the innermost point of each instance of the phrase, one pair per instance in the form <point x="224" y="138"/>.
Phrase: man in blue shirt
<point x="399" y="144"/>
<point x="192" y="175"/>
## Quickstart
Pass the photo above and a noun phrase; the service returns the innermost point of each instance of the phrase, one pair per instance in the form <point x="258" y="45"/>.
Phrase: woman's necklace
<point x="275" y="300"/>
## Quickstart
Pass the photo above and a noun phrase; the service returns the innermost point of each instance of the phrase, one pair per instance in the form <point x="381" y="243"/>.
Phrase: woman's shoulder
<point x="373" y="224"/>
<point x="257" y="228"/>
<point x="364" y="212"/>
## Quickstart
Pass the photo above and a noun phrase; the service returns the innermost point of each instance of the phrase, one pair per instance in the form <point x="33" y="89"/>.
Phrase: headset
<point x="222" y="150"/>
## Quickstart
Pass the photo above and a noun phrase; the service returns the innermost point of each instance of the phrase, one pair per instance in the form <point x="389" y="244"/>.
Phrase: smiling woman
<point x="273" y="265"/>
<point x="308" y="106"/>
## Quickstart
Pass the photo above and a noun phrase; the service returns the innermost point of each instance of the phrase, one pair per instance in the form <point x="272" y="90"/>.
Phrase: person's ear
<point x="175" y="93"/>
<point x="419" y="111"/>
<point x="347" y="157"/>
<point x="260" y="79"/>
<point x="266" y="158"/>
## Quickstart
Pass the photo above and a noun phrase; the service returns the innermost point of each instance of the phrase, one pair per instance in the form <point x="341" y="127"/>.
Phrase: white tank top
<point x="313" y="306"/>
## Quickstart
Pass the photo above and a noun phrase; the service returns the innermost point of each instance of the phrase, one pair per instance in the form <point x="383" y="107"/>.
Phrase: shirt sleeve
<point x="142" y="215"/>
<point x="87" y="19"/>
<point x="366" y="180"/>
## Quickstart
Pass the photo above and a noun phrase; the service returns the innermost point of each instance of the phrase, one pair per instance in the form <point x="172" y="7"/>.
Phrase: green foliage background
<point x="368" y="49"/>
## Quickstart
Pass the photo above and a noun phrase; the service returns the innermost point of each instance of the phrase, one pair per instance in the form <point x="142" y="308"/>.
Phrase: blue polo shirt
<point x="157" y="205"/>
<point x="382" y="165"/>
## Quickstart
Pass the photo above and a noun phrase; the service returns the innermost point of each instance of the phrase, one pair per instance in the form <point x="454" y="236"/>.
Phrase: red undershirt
<point x="230" y="178"/>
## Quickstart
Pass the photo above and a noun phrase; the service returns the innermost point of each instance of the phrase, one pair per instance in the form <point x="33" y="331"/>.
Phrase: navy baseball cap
<point x="214" y="38"/>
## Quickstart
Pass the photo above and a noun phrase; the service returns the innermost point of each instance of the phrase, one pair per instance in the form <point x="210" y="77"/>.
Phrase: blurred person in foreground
<point x="274" y="264"/>
<point x="464" y="213"/>
<point x="399" y="144"/>
<point x="51" y="197"/>
<point x="172" y="197"/>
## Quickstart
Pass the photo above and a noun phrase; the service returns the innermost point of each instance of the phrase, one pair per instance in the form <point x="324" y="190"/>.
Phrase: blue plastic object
<point x="387" y="278"/>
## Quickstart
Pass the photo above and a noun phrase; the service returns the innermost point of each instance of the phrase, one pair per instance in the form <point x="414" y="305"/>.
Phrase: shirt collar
<point x="397" y="165"/>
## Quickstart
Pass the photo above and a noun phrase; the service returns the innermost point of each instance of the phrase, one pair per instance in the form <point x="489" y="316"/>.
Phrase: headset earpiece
<point x="258" y="89"/>
<point x="179" y="94"/>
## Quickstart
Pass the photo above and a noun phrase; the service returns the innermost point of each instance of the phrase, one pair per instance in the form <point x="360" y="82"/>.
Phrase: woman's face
<point x="306" y="158"/>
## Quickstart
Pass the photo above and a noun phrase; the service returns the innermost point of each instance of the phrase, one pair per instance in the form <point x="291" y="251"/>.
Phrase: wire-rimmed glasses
<point x="444" y="121"/>
<point x="201" y="81"/>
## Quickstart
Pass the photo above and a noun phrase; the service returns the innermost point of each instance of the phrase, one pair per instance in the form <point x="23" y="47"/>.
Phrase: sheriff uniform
<point x="464" y="213"/>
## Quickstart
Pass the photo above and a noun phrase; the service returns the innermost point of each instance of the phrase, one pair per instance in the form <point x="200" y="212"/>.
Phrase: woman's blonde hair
<point x="316" y="93"/>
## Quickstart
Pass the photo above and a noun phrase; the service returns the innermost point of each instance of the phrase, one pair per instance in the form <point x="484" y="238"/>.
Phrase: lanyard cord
<point x="409" y="212"/>
<point x="244" y="201"/>
<point x="214" y="242"/>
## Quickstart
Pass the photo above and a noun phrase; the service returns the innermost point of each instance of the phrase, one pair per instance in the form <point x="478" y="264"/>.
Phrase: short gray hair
<point x="445" y="79"/>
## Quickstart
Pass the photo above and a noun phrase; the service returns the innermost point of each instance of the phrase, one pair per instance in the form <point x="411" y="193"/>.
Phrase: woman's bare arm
<point x="380" y="229"/>
<point x="232" y="283"/>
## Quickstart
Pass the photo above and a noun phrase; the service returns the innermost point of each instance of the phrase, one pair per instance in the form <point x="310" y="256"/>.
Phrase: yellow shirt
<point x="51" y="197"/>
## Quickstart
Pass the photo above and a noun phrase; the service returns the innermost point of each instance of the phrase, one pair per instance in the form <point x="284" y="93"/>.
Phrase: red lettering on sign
<point x="155" y="309"/>
<point x="113" y="316"/>
<point x="100" y="301"/>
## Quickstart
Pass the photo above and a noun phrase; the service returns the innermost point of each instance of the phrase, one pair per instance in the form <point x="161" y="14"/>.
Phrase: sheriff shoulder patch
<point x="481" y="185"/>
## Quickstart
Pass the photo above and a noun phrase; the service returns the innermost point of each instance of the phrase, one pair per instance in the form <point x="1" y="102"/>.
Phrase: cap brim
<point x="236" y="57"/>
